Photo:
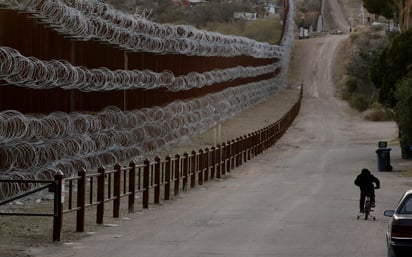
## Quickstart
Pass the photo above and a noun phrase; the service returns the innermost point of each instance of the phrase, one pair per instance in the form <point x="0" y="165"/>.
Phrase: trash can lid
<point x="382" y="144"/>
<point x="383" y="149"/>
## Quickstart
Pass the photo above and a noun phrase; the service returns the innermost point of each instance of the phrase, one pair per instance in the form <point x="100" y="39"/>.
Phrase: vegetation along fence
<point x="150" y="179"/>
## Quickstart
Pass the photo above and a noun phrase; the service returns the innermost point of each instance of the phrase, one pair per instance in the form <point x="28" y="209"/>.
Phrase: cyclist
<point x="365" y="181"/>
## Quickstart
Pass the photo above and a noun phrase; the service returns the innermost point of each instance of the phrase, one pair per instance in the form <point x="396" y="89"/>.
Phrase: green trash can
<point x="384" y="159"/>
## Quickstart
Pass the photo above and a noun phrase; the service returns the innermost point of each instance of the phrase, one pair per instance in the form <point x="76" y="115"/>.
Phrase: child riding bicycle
<point x="365" y="181"/>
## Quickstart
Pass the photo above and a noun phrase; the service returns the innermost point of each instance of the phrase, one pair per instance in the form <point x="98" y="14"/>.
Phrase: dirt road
<point x="296" y="199"/>
<point x="335" y="18"/>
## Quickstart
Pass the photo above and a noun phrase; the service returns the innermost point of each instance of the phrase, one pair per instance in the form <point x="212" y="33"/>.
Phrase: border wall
<point x="84" y="85"/>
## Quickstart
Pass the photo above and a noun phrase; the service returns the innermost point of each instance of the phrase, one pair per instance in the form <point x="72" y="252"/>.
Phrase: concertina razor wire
<point x="36" y="146"/>
<point x="31" y="72"/>
<point x="93" y="19"/>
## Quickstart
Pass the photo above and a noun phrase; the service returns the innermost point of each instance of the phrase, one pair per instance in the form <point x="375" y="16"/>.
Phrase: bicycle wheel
<point x="367" y="209"/>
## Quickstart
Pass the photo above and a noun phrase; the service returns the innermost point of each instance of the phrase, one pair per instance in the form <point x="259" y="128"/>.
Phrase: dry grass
<point x="407" y="173"/>
<point x="264" y="30"/>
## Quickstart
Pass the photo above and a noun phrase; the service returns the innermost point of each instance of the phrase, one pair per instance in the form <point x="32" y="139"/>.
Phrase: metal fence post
<point x="228" y="156"/>
<point x="272" y="135"/>
<point x="240" y="151"/>
<point x="193" y="169"/>
<point x="244" y="148"/>
<point x="100" y="195"/>
<point x="207" y="164"/>
<point x="200" y="167"/>
<point x="132" y="186"/>
<point x="254" y="144"/>
<point x="177" y="174"/>
<point x="116" y="190"/>
<point x="185" y="170"/>
<point x="233" y="157"/>
<point x="157" y="180"/>
<point x="168" y="167"/>
<point x="249" y="140"/>
<point x="58" y="205"/>
<point x="81" y="201"/>
<point x="223" y="162"/>
<point x="213" y="164"/>
<point x="146" y="172"/>
<point x="218" y="160"/>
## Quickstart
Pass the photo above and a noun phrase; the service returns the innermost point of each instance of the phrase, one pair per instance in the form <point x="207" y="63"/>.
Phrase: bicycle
<point x="367" y="209"/>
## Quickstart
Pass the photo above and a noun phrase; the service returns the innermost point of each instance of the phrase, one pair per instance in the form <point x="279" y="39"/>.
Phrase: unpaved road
<point x="334" y="17"/>
<point x="296" y="199"/>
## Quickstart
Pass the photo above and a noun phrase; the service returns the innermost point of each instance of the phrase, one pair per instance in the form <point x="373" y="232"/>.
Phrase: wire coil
<point x="85" y="20"/>
<point x="31" y="72"/>
<point x="34" y="147"/>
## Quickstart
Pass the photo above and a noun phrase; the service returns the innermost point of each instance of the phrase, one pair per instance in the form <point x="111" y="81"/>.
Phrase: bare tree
<point x="404" y="9"/>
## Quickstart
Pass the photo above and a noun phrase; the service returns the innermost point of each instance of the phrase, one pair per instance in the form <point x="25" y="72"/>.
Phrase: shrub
<point x="403" y="110"/>
<point x="358" y="89"/>
<point x="349" y="88"/>
<point x="359" y="102"/>
<point x="351" y="85"/>
<point x="378" y="114"/>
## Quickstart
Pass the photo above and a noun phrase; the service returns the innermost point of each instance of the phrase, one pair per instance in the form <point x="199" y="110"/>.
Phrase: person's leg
<point x="362" y="201"/>
<point x="372" y="197"/>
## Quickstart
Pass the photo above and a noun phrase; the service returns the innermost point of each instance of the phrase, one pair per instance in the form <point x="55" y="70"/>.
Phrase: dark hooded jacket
<point x="365" y="181"/>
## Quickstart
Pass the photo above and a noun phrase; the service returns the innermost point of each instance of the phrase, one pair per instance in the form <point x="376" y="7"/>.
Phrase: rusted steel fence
<point x="34" y="38"/>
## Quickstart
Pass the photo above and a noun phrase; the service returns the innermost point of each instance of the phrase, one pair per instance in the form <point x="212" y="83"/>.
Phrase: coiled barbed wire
<point x="36" y="146"/>
<point x="69" y="142"/>
<point x="93" y="19"/>
<point x="31" y="72"/>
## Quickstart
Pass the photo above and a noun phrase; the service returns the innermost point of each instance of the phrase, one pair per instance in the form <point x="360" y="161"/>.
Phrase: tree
<point x="403" y="113"/>
<point x="380" y="8"/>
<point x="392" y="65"/>
<point x="358" y="90"/>
<point x="390" y="8"/>
<point x="392" y="74"/>
<point x="404" y="11"/>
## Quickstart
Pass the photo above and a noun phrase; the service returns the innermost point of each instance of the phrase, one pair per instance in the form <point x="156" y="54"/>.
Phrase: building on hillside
<point x="272" y="8"/>
<point x="191" y="3"/>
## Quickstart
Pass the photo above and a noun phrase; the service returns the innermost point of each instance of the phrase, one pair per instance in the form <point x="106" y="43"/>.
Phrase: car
<point x="399" y="233"/>
<point x="336" y="32"/>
